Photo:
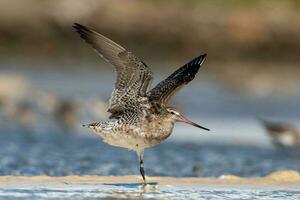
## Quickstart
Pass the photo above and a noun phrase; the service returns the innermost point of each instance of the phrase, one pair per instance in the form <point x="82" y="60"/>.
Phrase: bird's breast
<point x="157" y="129"/>
<point x="142" y="134"/>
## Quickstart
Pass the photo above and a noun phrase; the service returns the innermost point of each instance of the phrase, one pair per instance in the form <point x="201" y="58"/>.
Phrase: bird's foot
<point x="148" y="186"/>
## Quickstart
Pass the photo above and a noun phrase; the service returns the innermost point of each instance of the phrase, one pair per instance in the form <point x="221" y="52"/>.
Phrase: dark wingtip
<point x="84" y="32"/>
<point x="202" y="59"/>
<point x="198" y="61"/>
<point x="78" y="26"/>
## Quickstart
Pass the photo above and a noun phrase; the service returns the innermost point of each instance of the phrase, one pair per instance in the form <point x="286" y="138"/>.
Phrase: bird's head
<point x="173" y="114"/>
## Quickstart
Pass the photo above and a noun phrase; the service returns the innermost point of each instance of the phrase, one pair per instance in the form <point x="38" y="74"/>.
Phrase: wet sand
<point x="278" y="185"/>
<point x="290" y="179"/>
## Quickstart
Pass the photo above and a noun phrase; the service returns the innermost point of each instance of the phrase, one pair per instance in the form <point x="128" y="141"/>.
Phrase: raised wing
<point x="162" y="92"/>
<point x="133" y="76"/>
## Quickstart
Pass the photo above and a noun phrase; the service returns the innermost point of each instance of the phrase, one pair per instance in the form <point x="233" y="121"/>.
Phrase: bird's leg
<point x="141" y="160"/>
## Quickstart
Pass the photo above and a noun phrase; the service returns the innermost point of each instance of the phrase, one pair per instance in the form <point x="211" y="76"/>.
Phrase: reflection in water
<point x="135" y="185"/>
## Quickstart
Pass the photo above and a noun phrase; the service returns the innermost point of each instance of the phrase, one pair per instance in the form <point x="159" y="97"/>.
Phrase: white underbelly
<point x="125" y="141"/>
<point x="136" y="139"/>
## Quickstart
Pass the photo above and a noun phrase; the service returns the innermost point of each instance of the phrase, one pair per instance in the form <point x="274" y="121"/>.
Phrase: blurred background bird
<point x="282" y="134"/>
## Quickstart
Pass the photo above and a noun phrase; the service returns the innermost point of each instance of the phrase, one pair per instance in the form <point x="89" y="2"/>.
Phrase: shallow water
<point x="68" y="154"/>
<point x="132" y="192"/>
<point x="110" y="193"/>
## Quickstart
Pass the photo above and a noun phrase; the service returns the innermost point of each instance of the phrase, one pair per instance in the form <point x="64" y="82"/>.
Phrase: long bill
<point x="185" y="120"/>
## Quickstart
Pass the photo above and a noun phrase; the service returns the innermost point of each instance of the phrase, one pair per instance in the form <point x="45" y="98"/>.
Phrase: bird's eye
<point x="173" y="113"/>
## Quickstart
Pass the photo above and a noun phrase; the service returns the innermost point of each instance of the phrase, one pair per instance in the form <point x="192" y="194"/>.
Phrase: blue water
<point x="58" y="154"/>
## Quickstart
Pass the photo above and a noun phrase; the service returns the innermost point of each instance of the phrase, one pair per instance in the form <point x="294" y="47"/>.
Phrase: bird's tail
<point x="92" y="125"/>
<point x="85" y="125"/>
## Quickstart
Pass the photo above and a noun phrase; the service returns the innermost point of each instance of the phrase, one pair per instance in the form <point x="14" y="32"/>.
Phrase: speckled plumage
<point x="139" y="118"/>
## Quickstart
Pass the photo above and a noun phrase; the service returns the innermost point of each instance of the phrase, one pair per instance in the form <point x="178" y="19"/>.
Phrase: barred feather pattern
<point x="139" y="119"/>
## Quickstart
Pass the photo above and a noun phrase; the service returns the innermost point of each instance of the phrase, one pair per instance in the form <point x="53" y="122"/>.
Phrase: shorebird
<point x="139" y="118"/>
<point x="282" y="134"/>
<point x="66" y="114"/>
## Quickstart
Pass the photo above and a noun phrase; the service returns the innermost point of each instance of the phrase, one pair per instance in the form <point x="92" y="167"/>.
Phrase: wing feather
<point x="164" y="90"/>
<point x="133" y="75"/>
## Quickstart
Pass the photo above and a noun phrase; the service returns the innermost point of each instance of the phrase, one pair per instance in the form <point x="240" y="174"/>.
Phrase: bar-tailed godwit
<point x="139" y="118"/>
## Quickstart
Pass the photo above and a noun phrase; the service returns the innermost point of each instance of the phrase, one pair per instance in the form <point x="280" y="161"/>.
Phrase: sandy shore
<point x="282" y="179"/>
<point x="278" y="185"/>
